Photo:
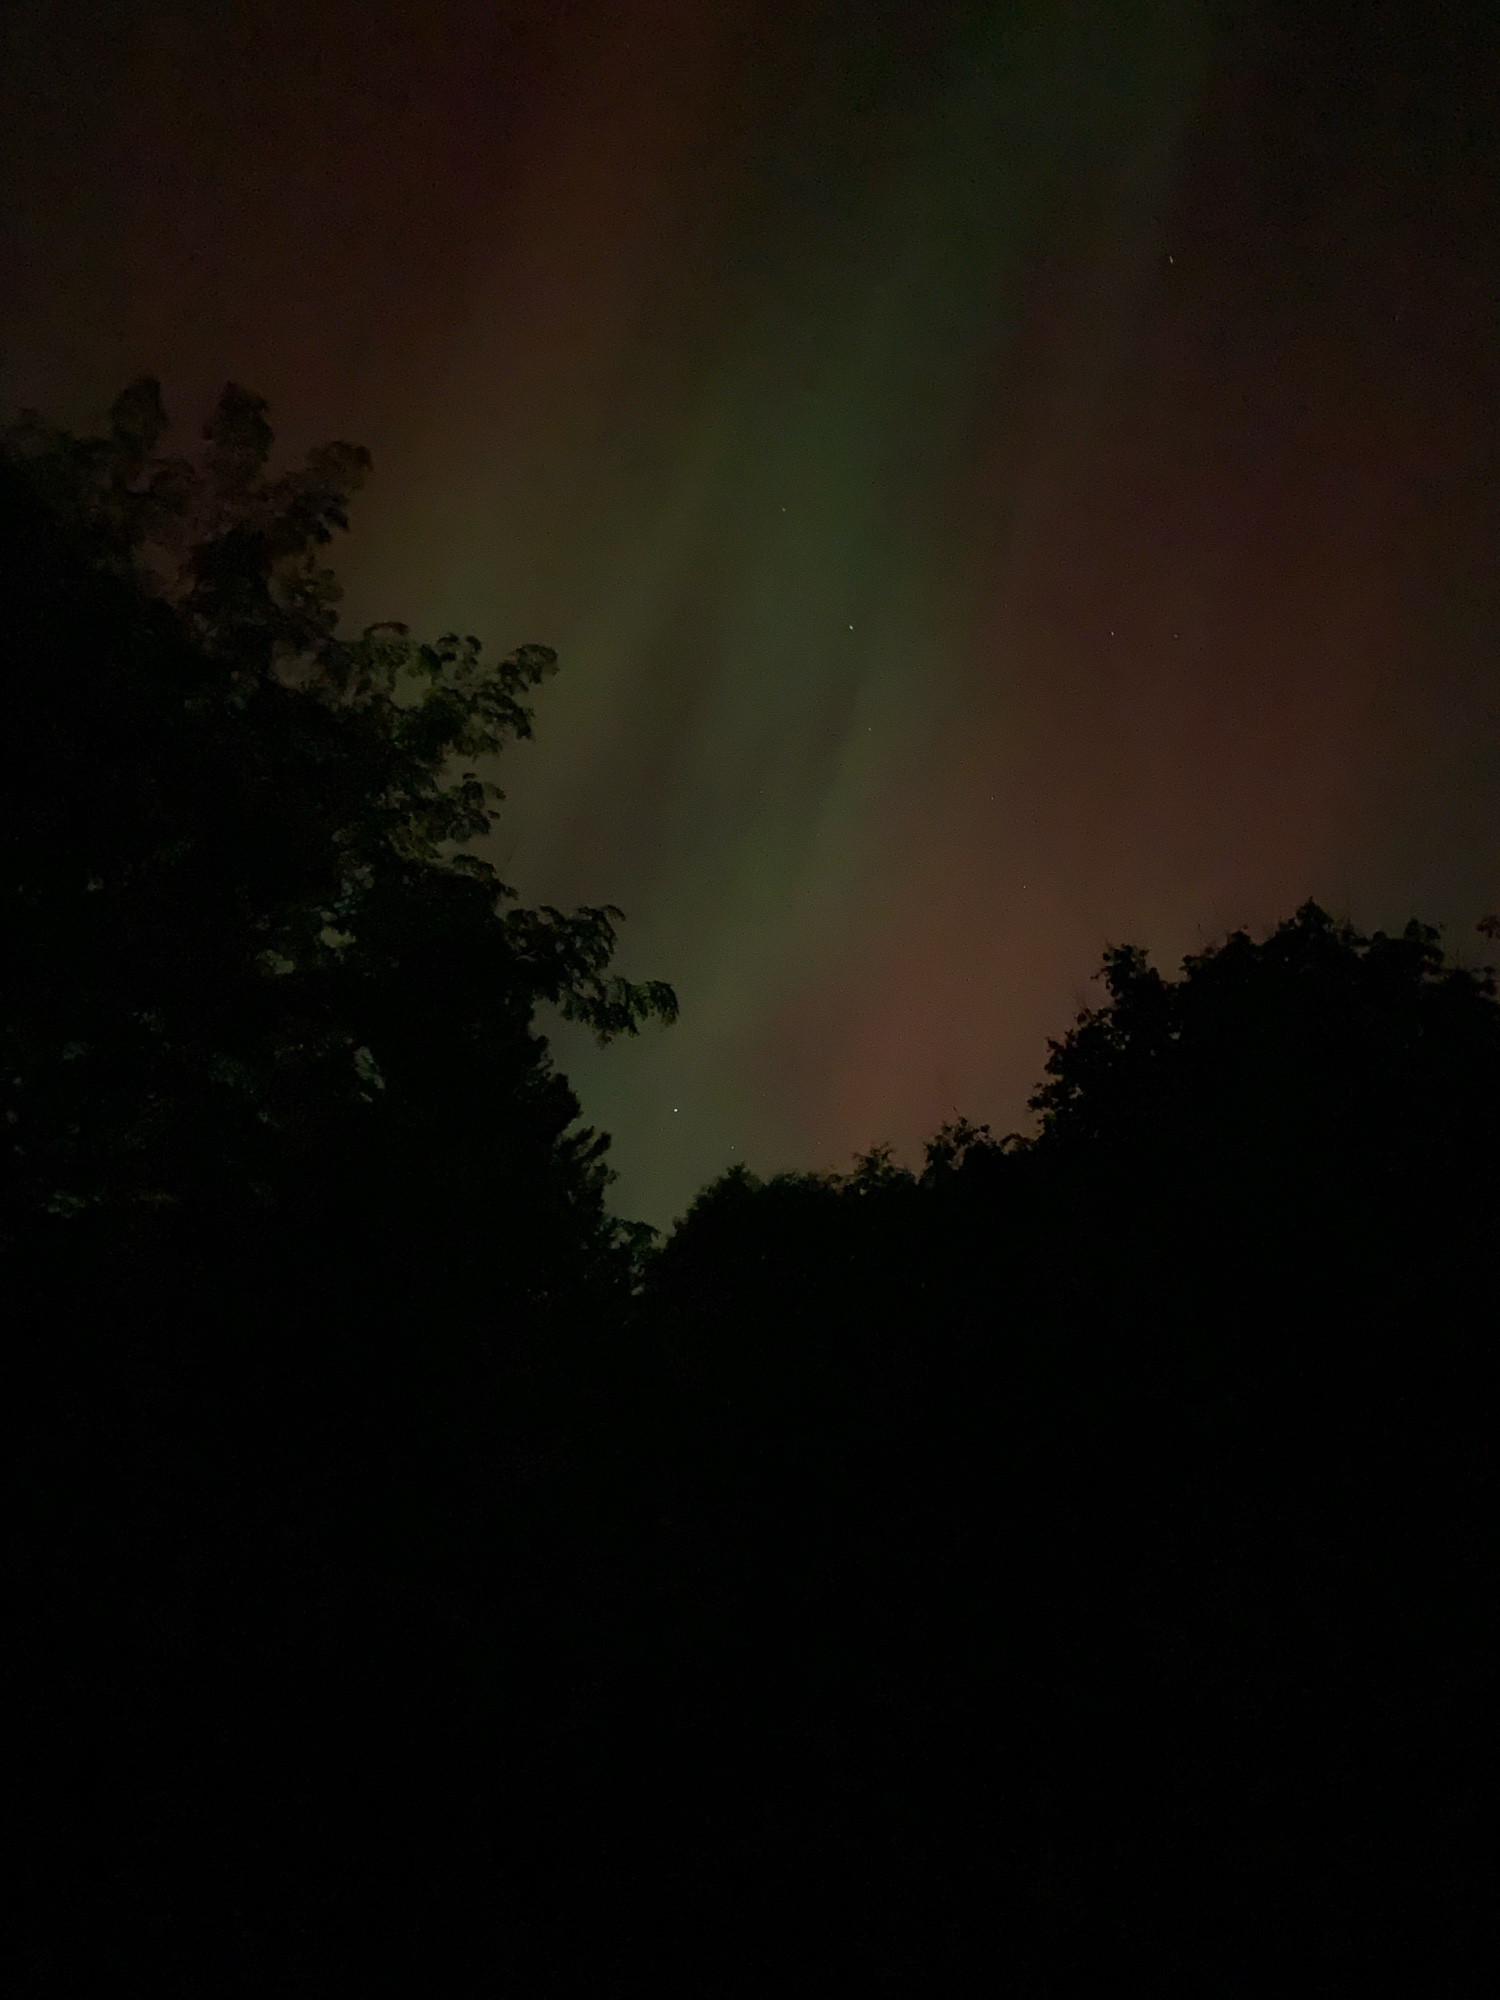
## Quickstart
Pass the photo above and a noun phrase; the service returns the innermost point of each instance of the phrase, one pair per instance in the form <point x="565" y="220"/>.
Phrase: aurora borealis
<point x="999" y="478"/>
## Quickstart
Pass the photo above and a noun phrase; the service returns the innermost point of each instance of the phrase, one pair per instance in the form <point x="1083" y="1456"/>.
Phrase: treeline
<point x="1067" y="1565"/>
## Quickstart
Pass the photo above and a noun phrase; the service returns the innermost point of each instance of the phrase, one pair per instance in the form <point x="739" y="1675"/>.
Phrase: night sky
<point x="1001" y="479"/>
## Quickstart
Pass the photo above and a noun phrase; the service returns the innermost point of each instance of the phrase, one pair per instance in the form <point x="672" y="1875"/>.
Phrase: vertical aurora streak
<point x="760" y="623"/>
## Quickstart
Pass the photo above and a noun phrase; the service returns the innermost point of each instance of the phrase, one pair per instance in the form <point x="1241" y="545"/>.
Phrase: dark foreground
<point x="903" y="1598"/>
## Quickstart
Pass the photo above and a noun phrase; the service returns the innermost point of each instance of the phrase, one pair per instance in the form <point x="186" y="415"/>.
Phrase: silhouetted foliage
<point x="1108" y="1509"/>
<point x="258" y="960"/>
<point x="303" y="1248"/>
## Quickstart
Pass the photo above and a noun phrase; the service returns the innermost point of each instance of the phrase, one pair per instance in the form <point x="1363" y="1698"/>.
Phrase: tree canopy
<point x="256" y="950"/>
<point x="1104" y="1511"/>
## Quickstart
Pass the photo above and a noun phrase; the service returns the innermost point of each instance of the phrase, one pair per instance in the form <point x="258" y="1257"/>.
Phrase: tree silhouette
<point x="305" y="1257"/>
<point x="1106" y="1510"/>
<point x="258" y="959"/>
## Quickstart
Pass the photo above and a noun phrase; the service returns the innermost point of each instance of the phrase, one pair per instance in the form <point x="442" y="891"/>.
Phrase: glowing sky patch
<point x="999" y="478"/>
